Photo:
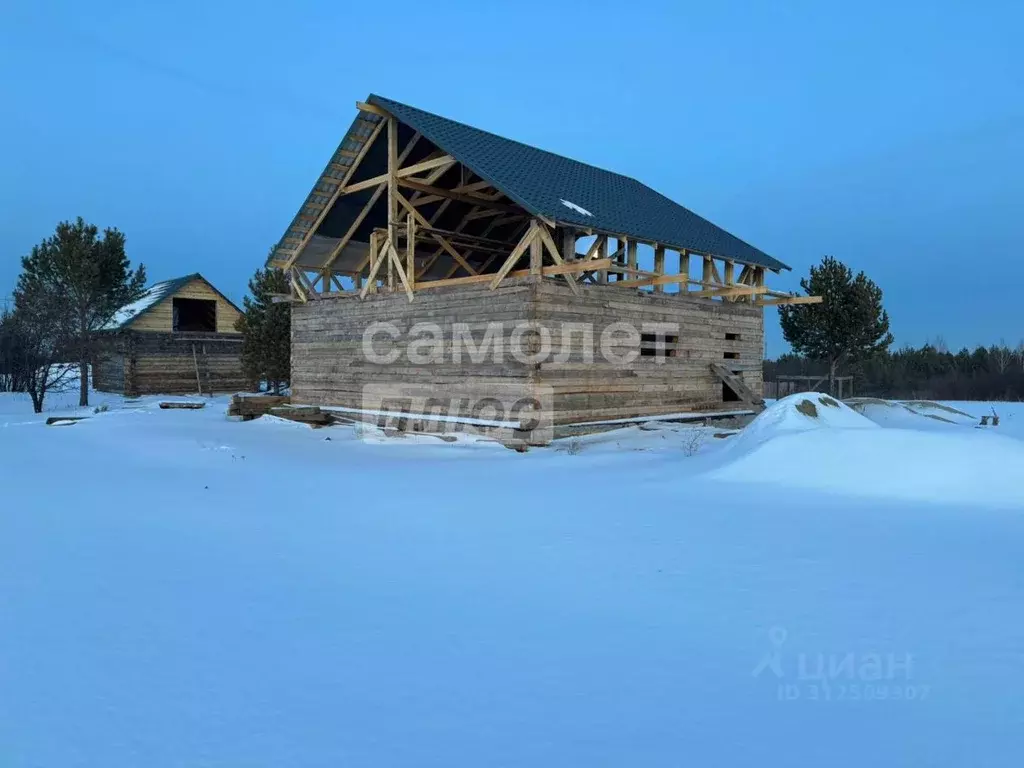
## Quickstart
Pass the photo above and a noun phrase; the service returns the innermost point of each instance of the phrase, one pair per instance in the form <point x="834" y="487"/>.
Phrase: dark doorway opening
<point x="728" y="396"/>
<point x="195" y="315"/>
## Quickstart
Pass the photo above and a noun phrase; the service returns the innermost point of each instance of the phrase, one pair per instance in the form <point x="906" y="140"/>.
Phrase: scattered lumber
<point x="304" y="414"/>
<point x="171" y="405"/>
<point x="248" y="407"/>
<point x="64" y="421"/>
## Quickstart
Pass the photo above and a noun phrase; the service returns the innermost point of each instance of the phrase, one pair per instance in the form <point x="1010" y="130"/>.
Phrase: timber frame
<point x="428" y="221"/>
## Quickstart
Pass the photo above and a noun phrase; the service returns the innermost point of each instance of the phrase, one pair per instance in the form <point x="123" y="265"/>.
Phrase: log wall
<point x="139" y="363"/>
<point x="587" y="387"/>
<point x="330" y="366"/>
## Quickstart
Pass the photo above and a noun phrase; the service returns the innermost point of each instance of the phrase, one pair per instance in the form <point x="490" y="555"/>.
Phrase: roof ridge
<point x="505" y="138"/>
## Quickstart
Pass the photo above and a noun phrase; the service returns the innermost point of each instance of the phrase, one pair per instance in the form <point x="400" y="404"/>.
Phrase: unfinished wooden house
<point x="178" y="338"/>
<point x="420" y="219"/>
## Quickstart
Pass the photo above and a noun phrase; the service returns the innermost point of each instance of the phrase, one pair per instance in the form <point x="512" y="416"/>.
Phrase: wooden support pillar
<point x="374" y="258"/>
<point x="631" y="257"/>
<point x="410" y="250"/>
<point x="392" y="195"/>
<point x="729" y="267"/>
<point x="708" y="275"/>
<point x="602" y="276"/>
<point x="536" y="255"/>
<point x="684" y="270"/>
<point x="620" y="259"/>
<point x="568" y="243"/>
<point x="659" y="265"/>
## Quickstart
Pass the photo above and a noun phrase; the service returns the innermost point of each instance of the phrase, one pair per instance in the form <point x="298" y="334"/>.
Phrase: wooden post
<point x="684" y="270"/>
<point x="536" y="256"/>
<point x="410" y="250"/>
<point x="602" y="276"/>
<point x="374" y="257"/>
<point x="659" y="265"/>
<point x="708" y="274"/>
<point x="568" y="243"/>
<point x="392" y="193"/>
<point x="631" y="257"/>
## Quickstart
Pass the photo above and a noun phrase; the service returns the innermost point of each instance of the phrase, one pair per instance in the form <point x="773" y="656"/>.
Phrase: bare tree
<point x="1001" y="356"/>
<point x="35" y="354"/>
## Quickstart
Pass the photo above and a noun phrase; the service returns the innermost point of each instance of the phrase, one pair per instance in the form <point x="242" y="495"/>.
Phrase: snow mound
<point x="801" y="412"/>
<point x="811" y="441"/>
<point x="912" y="414"/>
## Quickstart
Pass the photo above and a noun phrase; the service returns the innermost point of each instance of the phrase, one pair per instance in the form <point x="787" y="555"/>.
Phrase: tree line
<point x="929" y="372"/>
<point x="848" y="335"/>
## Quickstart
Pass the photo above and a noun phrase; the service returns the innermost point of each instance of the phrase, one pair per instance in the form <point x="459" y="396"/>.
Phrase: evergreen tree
<point x="266" y="329"/>
<point x="849" y="325"/>
<point x="90" y="276"/>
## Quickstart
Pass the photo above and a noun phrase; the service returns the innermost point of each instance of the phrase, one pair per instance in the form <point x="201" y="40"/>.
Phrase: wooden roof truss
<point x="487" y="238"/>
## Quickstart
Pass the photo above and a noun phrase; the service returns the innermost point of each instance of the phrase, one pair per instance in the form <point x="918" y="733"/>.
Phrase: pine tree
<point x="266" y="330"/>
<point x="849" y="325"/>
<point x="90" y="276"/>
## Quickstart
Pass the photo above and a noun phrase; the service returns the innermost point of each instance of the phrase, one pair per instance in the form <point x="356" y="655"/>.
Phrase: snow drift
<point x="811" y="441"/>
<point x="912" y="414"/>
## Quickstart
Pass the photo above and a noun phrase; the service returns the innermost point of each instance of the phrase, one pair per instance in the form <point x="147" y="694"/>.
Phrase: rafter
<point x="334" y="197"/>
<point x="336" y="251"/>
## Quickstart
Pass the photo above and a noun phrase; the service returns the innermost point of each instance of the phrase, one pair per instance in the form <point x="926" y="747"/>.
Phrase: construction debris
<point x="64" y="421"/>
<point x="182" y="405"/>
<point x="248" y="407"/>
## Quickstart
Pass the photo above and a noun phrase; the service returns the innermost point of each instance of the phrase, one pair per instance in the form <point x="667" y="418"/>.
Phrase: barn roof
<point x="570" y="192"/>
<point x="153" y="296"/>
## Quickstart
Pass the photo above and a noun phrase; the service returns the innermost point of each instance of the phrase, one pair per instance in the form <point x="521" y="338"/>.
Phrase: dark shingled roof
<point x="571" y="192"/>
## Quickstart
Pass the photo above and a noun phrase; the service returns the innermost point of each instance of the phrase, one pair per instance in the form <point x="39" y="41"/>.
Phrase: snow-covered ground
<point x="177" y="589"/>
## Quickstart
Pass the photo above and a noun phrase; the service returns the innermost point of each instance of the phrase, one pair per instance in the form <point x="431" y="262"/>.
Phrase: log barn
<point x="178" y="338"/>
<point x="417" y="219"/>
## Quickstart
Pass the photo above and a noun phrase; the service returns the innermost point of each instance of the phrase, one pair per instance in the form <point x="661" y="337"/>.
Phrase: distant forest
<point x="931" y="372"/>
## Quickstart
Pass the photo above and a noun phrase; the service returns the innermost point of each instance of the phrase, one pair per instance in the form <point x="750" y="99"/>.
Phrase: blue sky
<point x="890" y="135"/>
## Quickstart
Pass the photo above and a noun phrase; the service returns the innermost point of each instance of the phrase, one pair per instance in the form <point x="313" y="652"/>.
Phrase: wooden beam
<point x="536" y="256"/>
<point x="426" y="165"/>
<point x="440" y="240"/>
<point x="787" y="300"/>
<point x="354" y="226"/>
<point x="377" y="261"/>
<point x="645" y="281"/>
<point x="549" y="243"/>
<point x="366" y="209"/>
<point x="333" y="198"/>
<point x="372" y="109"/>
<point x="558" y="269"/>
<point x="728" y="292"/>
<point x="659" y="266"/>
<point x="516" y="254"/>
<point x="458" y="196"/>
<point x="410" y="248"/>
<point x="397" y="264"/>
